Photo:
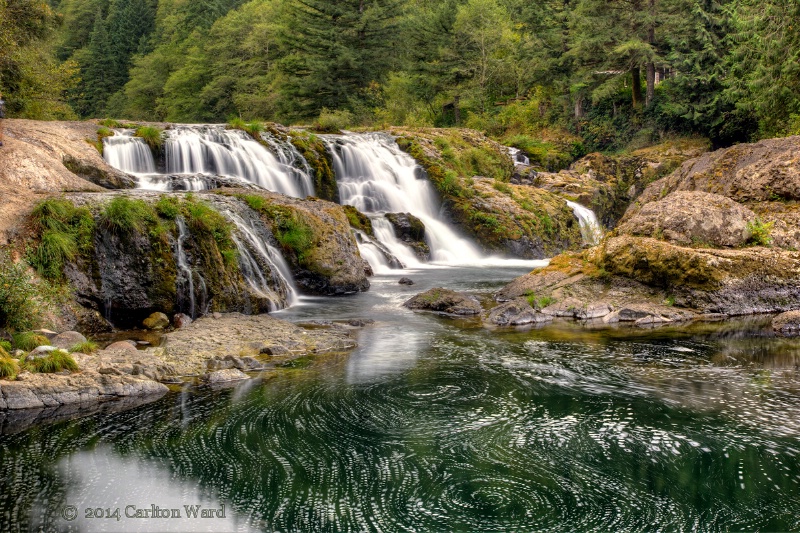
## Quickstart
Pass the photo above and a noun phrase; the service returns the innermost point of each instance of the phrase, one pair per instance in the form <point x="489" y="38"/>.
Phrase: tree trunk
<point x="457" y="110"/>
<point x="651" y="84"/>
<point x="636" y="85"/>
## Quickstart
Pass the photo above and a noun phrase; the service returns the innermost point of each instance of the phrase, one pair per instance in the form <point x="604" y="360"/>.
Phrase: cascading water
<point x="186" y="275"/>
<point x="129" y="154"/>
<point x="376" y="177"/>
<point x="201" y="157"/>
<point x="519" y="158"/>
<point x="591" y="230"/>
<point x="214" y="150"/>
<point x="256" y="256"/>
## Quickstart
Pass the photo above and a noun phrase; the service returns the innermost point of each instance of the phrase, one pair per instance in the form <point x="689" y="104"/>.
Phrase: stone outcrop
<point x="411" y="231"/>
<point x="445" y="301"/>
<point x="693" y="218"/>
<point x="787" y="324"/>
<point x="516" y="313"/>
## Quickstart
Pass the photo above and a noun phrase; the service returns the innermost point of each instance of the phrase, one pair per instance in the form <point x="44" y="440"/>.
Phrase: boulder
<point x="121" y="346"/>
<point x="225" y="376"/>
<point x="516" y="313"/>
<point x="156" y="321"/>
<point x="445" y="301"/>
<point x="411" y="231"/>
<point x="693" y="217"/>
<point x="180" y="320"/>
<point x="67" y="340"/>
<point x="567" y="307"/>
<point x="406" y="281"/>
<point x="40" y="352"/>
<point x="787" y="324"/>
<point x="593" y="310"/>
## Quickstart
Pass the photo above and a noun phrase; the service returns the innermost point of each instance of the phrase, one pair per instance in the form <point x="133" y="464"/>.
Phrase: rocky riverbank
<point x="217" y="348"/>
<point x="716" y="238"/>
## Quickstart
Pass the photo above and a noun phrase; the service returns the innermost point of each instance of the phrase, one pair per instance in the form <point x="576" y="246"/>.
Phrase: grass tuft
<point x="151" y="135"/>
<point x="29" y="340"/>
<point x="84" y="347"/>
<point x="55" y="361"/>
<point x="9" y="368"/>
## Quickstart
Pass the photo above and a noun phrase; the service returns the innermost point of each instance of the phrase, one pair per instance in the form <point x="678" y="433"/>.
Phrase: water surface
<point x="439" y="425"/>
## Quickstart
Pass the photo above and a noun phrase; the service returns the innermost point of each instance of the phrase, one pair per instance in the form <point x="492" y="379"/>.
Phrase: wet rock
<point x="411" y="231"/>
<point x="516" y="313"/>
<point x="445" y="301"/>
<point x="225" y="376"/>
<point x="156" y="320"/>
<point x="68" y="339"/>
<point x="180" y="320"/>
<point x="360" y="322"/>
<point x="406" y="281"/>
<point x="787" y="324"/>
<point x="693" y="217"/>
<point x="566" y="308"/>
<point x="275" y="350"/>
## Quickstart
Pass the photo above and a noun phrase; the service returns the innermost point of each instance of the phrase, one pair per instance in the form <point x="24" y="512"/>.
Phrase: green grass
<point x="5" y="347"/>
<point x="125" y="216"/>
<point x="151" y="135"/>
<point x="236" y="123"/>
<point x="28" y="341"/>
<point x="168" y="207"/>
<point x="256" y="203"/>
<point x="84" y="347"/>
<point x="9" y="368"/>
<point x="502" y="187"/>
<point x="55" y="361"/>
<point x="358" y="220"/>
<point x="64" y="231"/>
<point x="21" y="304"/>
<point x="538" y="302"/>
<point x="294" y="234"/>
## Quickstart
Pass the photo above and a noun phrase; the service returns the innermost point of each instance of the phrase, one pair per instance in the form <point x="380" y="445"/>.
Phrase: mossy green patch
<point x="358" y="220"/>
<point x="61" y="232"/>
<point x="315" y="153"/>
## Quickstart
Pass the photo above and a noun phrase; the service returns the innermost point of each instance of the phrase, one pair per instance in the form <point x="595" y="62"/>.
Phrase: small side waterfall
<point x="376" y="177"/>
<point x="591" y="230"/>
<point x="215" y="150"/>
<point x="519" y="158"/>
<point x="129" y="154"/>
<point x="257" y="256"/>
<point x="186" y="275"/>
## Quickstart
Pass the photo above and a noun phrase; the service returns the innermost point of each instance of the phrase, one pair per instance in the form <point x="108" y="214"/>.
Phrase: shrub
<point x="55" y="361"/>
<point x="5" y="346"/>
<point x="102" y="133"/>
<point x="84" y="347"/>
<point x="29" y="340"/>
<point x="9" y="368"/>
<point x="151" y="135"/>
<point x="333" y="121"/>
<point x="254" y="129"/>
<point x="236" y="123"/>
<point x="20" y="300"/>
<point x="760" y="232"/>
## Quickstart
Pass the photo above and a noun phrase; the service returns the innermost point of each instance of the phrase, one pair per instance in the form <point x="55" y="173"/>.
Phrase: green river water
<point x="438" y="425"/>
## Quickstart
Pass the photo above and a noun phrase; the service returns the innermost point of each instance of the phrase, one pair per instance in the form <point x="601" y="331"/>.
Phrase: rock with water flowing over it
<point x="787" y="324"/>
<point x="156" y="320"/>
<point x="445" y="301"/>
<point x="411" y="231"/>
<point x="693" y="217"/>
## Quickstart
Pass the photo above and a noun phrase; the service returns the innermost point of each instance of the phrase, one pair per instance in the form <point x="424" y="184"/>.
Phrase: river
<point x="435" y="424"/>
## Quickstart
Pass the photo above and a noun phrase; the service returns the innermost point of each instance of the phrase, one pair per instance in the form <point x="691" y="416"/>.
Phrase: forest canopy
<point x="610" y="72"/>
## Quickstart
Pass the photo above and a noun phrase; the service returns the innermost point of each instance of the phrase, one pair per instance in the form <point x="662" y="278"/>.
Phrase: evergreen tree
<point x="338" y="48"/>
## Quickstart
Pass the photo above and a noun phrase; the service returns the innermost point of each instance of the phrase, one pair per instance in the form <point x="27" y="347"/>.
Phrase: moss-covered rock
<point x="358" y="220"/>
<point x="313" y="150"/>
<point x="316" y="240"/>
<point x="411" y="231"/>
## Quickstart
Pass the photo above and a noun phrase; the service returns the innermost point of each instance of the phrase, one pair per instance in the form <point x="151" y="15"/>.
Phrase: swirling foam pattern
<point x="481" y="432"/>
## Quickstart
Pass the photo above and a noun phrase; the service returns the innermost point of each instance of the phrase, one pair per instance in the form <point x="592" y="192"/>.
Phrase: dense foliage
<point x="610" y="71"/>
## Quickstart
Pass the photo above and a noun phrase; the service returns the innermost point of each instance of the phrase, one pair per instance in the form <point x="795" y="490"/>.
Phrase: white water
<point x="591" y="230"/>
<point x="186" y="272"/>
<point x="519" y="158"/>
<point x="376" y="177"/>
<point x="162" y="182"/>
<point x="129" y="154"/>
<point x="210" y="149"/>
<point x="280" y="288"/>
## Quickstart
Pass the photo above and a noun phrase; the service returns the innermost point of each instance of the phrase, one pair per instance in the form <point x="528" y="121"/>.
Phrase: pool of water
<point x="435" y="424"/>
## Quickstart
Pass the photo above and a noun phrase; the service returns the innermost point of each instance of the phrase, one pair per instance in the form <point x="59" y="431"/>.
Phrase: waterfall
<point x="187" y="274"/>
<point x="256" y="256"/>
<point x="200" y="157"/>
<point x="376" y="177"/>
<point x="377" y="255"/>
<point x="591" y="230"/>
<point x="209" y="149"/>
<point x="519" y="158"/>
<point x="129" y="154"/>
